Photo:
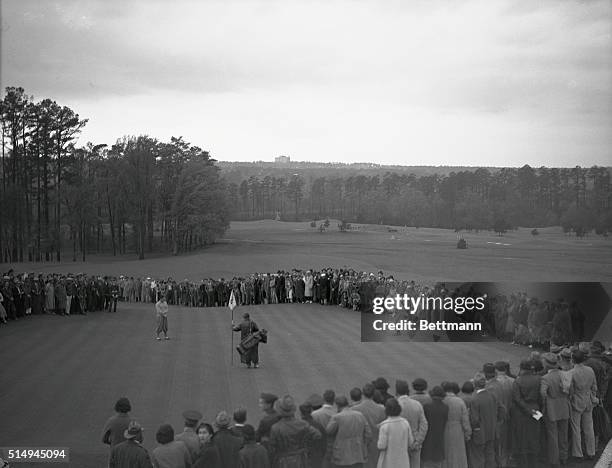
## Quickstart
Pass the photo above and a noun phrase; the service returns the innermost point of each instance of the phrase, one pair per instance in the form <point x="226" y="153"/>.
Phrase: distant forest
<point x="578" y="199"/>
<point x="140" y="195"/>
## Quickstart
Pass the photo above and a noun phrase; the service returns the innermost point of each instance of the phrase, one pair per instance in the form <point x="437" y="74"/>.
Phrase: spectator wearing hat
<point x="170" y="453"/>
<point x="420" y="391"/>
<point x="526" y="428"/>
<point x="316" y="401"/>
<point x="290" y="437"/>
<point x="436" y="413"/>
<point x="583" y="393"/>
<point x="208" y="456"/>
<point x="189" y="435"/>
<point x="116" y="425"/>
<point x="413" y="412"/>
<point x="374" y="414"/>
<point x="228" y="444"/>
<point x="555" y="401"/>
<point x="485" y="412"/>
<point x="252" y="455"/>
<point x="318" y="447"/>
<point x="266" y="404"/>
<point x="394" y="436"/>
<point x="351" y="433"/>
<point x="130" y="453"/>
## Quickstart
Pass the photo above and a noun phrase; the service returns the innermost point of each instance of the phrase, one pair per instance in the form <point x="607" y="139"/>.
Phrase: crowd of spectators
<point x="549" y="414"/>
<point x="514" y="317"/>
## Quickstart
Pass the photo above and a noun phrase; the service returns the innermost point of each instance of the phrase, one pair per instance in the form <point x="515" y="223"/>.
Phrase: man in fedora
<point x="556" y="406"/>
<point x="189" y="436"/>
<point x="130" y="453"/>
<point x="228" y="444"/>
<point x="290" y="437"/>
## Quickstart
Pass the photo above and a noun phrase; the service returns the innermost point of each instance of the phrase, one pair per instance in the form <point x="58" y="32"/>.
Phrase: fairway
<point x="62" y="375"/>
<point x="425" y="254"/>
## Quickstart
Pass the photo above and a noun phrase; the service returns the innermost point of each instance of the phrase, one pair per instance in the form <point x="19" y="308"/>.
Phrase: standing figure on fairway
<point x="250" y="336"/>
<point x="161" y="307"/>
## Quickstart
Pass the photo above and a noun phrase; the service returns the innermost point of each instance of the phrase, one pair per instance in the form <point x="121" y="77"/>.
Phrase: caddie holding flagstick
<point x="250" y="337"/>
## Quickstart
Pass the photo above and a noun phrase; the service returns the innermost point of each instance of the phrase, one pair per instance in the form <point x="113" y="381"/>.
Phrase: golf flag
<point x="232" y="302"/>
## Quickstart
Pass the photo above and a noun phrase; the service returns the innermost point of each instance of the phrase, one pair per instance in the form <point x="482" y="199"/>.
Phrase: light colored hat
<point x="134" y="430"/>
<point x="222" y="419"/>
<point x="285" y="405"/>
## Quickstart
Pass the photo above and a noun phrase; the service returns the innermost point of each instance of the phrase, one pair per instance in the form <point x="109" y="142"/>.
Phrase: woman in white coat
<point x="394" y="438"/>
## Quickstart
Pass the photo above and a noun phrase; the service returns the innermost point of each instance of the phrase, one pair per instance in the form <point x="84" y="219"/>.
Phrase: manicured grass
<point x="62" y="375"/>
<point x="424" y="254"/>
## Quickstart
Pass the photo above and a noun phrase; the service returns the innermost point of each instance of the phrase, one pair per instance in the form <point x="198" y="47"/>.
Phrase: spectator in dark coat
<point x="170" y="453"/>
<point x="436" y="413"/>
<point x="266" y="404"/>
<point x="209" y="453"/>
<point x="526" y="404"/>
<point x="382" y="386"/>
<point x="228" y="445"/>
<point x="115" y="427"/>
<point x="252" y="455"/>
<point x="316" y="449"/>
<point x="240" y="416"/>
<point x="130" y="453"/>
<point x="485" y="412"/>
<point x="290" y="437"/>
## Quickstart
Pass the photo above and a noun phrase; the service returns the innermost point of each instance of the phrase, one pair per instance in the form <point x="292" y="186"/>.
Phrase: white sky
<point x="495" y="83"/>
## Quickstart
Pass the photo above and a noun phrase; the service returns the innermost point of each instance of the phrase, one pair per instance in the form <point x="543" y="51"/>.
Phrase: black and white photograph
<point x="306" y="233"/>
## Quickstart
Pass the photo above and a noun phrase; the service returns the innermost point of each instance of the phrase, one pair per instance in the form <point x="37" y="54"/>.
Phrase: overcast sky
<point x="495" y="83"/>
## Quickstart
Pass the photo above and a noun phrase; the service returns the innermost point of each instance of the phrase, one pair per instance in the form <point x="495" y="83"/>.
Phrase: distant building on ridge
<point x="282" y="160"/>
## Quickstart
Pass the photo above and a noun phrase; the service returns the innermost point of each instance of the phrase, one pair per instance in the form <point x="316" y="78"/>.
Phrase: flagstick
<point x="232" y="305"/>
<point x="232" y="347"/>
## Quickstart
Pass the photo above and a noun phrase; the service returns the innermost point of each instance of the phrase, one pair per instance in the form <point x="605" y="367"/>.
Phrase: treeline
<point x="237" y="171"/>
<point x="138" y="195"/>
<point x="578" y="199"/>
